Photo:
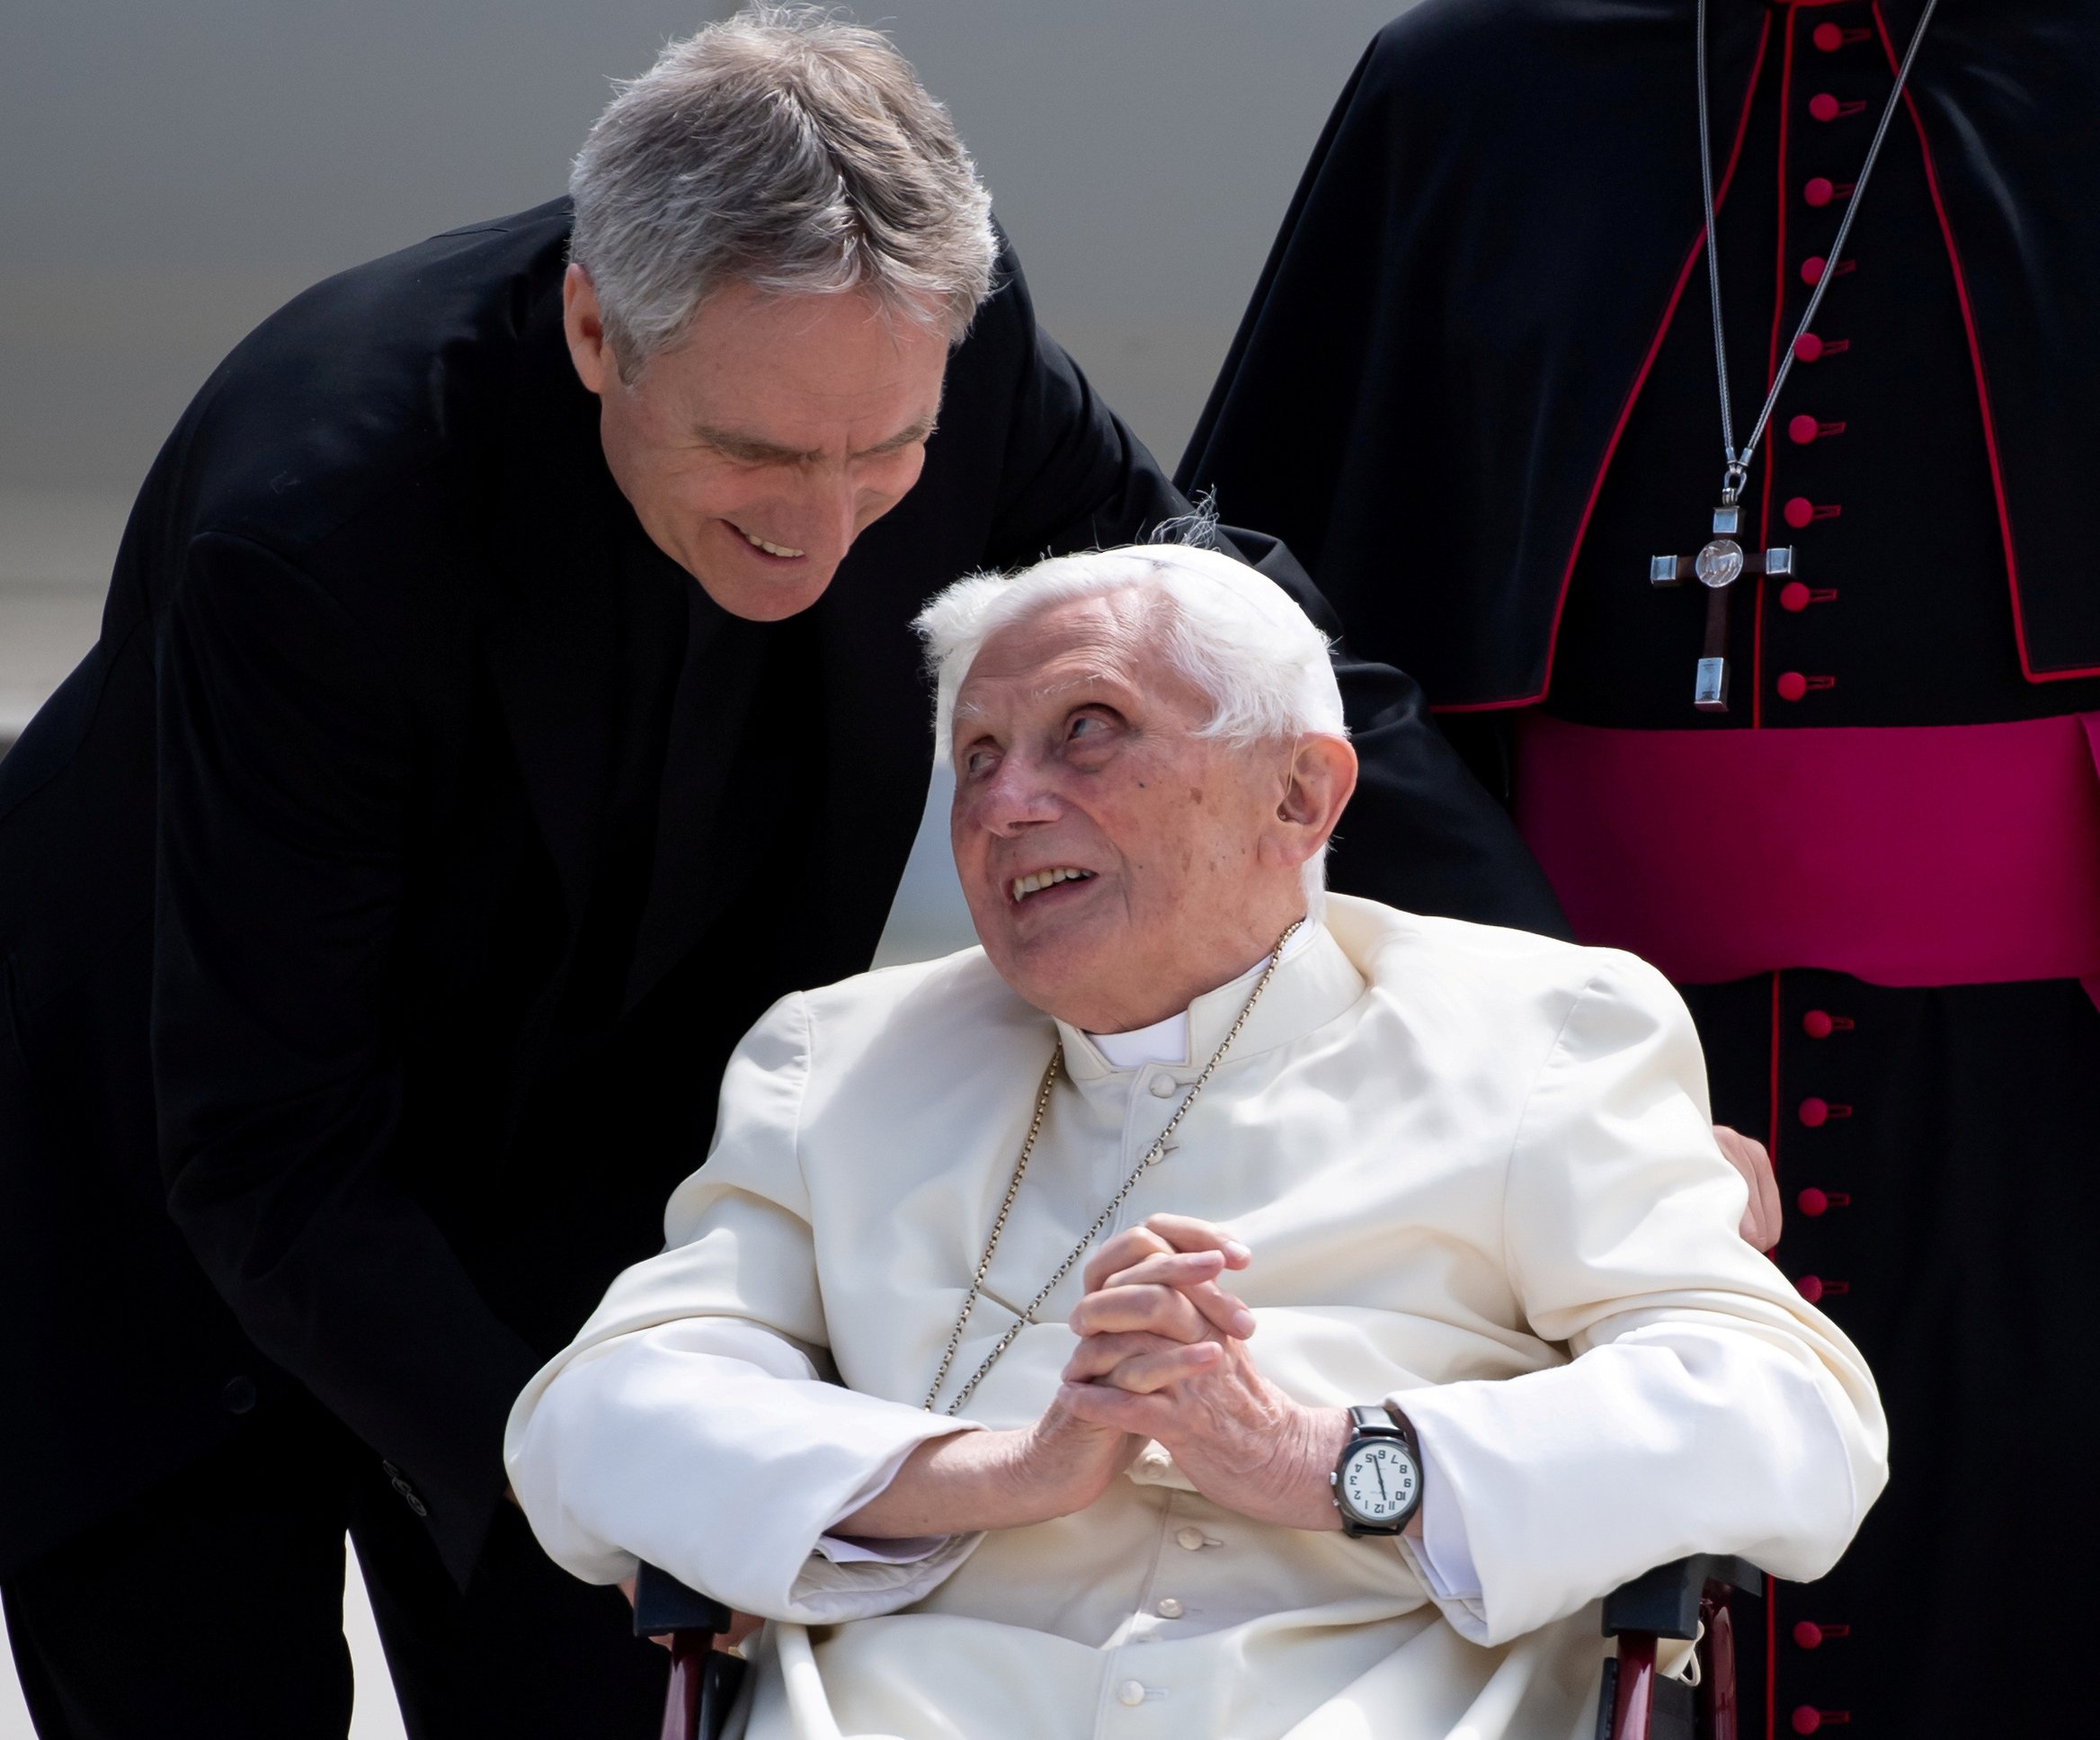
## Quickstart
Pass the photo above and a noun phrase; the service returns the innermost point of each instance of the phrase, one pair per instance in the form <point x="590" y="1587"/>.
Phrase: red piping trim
<point x="1771" y="368"/>
<point x="1626" y="410"/>
<point x="1997" y="482"/>
<point x="1772" y="1125"/>
<point x="1772" y="1594"/>
<point x="1771" y="1654"/>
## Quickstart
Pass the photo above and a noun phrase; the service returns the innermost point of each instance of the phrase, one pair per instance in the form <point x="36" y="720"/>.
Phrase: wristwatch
<point x="1378" y="1482"/>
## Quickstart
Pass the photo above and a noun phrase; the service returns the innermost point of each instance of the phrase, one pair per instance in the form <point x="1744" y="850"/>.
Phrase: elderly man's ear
<point x="1316" y="784"/>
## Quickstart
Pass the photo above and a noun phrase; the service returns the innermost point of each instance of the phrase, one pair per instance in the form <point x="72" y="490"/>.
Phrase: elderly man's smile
<point x="1063" y="881"/>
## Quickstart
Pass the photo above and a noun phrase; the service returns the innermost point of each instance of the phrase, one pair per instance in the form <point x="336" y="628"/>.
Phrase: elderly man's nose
<point x="1015" y="798"/>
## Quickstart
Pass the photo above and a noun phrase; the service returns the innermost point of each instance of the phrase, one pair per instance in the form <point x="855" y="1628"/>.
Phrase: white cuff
<point x="1445" y="1556"/>
<point x="853" y="1549"/>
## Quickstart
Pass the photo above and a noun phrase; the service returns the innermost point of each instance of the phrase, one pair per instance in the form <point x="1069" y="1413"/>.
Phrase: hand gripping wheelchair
<point x="1687" y="1599"/>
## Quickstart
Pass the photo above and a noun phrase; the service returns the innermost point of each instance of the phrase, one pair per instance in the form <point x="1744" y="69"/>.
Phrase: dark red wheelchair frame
<point x="1684" y="1601"/>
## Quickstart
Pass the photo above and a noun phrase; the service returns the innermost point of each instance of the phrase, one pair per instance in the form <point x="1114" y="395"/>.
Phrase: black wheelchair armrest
<point x="1666" y="1600"/>
<point x="662" y="1605"/>
<point x="703" y="1680"/>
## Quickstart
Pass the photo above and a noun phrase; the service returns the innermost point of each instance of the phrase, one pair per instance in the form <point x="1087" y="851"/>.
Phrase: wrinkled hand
<point x="1746" y="1153"/>
<point x="1162" y="1354"/>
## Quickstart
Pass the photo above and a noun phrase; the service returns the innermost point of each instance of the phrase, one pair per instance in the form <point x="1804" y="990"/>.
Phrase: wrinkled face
<point x="1117" y="866"/>
<point x="756" y="449"/>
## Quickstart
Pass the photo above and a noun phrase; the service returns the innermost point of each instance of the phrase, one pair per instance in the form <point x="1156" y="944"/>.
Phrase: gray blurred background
<point x="177" y="168"/>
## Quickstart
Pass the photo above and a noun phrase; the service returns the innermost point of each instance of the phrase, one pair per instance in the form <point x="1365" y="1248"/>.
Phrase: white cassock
<point x="1477" y="1173"/>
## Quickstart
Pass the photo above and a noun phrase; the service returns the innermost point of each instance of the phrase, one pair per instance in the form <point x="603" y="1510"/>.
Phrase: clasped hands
<point x="1162" y="1354"/>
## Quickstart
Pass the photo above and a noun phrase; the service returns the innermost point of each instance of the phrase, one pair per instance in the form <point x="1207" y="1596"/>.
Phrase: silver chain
<point x="1159" y="1147"/>
<point x="1739" y="464"/>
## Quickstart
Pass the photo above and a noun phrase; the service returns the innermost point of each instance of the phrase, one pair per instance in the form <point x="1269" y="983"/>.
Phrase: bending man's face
<point x="760" y="446"/>
<point x="1118" y="866"/>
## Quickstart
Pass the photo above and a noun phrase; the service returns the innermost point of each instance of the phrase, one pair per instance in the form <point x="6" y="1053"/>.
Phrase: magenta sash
<point x="1925" y="855"/>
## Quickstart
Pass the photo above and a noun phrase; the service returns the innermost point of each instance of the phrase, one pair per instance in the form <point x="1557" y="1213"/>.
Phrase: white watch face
<point x="1379" y="1481"/>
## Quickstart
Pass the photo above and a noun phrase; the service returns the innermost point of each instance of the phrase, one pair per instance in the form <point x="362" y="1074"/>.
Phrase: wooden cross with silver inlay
<point x="1717" y="567"/>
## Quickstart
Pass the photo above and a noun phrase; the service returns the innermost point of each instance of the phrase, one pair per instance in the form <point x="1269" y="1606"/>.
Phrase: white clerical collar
<point x="1167" y="1041"/>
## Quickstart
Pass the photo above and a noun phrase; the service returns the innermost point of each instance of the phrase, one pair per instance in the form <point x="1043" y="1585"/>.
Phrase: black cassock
<point x="1475" y="392"/>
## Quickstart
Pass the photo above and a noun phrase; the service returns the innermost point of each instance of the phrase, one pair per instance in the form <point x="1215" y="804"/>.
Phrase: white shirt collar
<point x="1167" y="1041"/>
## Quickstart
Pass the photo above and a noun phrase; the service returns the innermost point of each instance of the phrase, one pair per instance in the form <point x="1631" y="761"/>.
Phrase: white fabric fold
<point x="785" y="1456"/>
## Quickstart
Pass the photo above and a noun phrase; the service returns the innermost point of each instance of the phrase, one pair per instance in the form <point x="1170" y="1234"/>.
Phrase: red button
<point x="1811" y="269"/>
<point x="1799" y="511"/>
<point x="1818" y="191"/>
<point x="1812" y="1202"/>
<point x="1830" y="38"/>
<point x="1807" y="348"/>
<point x="1816" y="1024"/>
<point x="1809" y="1634"/>
<point x="1810" y="1287"/>
<point x="1791" y="685"/>
<point x="1823" y="106"/>
<point x="1802" y="430"/>
<point x="1795" y="596"/>
<point x="1814" y="1112"/>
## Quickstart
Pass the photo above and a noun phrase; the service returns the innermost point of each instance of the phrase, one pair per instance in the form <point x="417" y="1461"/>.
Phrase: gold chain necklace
<point x="1020" y="1168"/>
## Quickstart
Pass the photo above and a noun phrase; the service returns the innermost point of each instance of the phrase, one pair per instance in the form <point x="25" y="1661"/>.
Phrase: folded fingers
<point x="1130" y="1246"/>
<point x="1165" y="1311"/>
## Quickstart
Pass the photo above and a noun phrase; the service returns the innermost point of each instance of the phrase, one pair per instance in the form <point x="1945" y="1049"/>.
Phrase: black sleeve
<point x="1420" y="833"/>
<point x="288" y="765"/>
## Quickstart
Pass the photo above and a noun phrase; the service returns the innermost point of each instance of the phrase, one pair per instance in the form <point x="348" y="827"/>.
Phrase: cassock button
<point x="1155" y="1461"/>
<point x="1804" y="429"/>
<point x="1818" y="191"/>
<point x="1192" y="1538"/>
<point x="1791" y="685"/>
<point x="1807" y="348"/>
<point x="1793" y="597"/>
<point x="1809" y="1634"/>
<point x="1823" y="106"/>
<point x="1817" y="1025"/>
<point x="1799" y="511"/>
<point x="1163" y="1087"/>
<point x="1830" y="38"/>
<point x="1169" y="1608"/>
<point x="238" y="1396"/>
<point x="1131" y="1692"/>
<point x="1814" y="1112"/>
<point x="1810" y="1287"/>
<point x="1812" y="1202"/>
<point x="1811" y="269"/>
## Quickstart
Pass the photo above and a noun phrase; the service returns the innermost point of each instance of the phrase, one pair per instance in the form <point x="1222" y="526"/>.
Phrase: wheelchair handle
<point x="1666" y="1600"/>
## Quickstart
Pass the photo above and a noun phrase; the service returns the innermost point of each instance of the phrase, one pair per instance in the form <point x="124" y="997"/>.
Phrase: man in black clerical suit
<point x="380" y="897"/>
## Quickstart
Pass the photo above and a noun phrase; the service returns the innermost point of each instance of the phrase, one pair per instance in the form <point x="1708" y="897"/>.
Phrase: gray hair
<point x="784" y="149"/>
<point x="1234" y="634"/>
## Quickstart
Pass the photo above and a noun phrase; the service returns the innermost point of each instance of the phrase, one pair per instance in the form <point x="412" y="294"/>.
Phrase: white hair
<point x="1234" y="633"/>
<point x="784" y="149"/>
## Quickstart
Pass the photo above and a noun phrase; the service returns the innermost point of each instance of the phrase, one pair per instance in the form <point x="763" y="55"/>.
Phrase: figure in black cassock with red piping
<point x="1486" y="338"/>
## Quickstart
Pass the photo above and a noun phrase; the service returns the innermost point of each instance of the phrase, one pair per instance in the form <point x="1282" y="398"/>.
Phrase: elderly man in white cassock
<point x="1211" y="1307"/>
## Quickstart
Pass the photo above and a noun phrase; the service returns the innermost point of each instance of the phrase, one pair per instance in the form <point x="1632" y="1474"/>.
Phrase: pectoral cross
<point x="1717" y="567"/>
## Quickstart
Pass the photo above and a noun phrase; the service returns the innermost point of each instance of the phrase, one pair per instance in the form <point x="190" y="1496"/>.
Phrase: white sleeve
<point x="693" y="1423"/>
<point x="1707" y="1408"/>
